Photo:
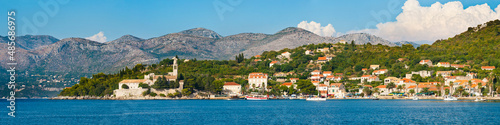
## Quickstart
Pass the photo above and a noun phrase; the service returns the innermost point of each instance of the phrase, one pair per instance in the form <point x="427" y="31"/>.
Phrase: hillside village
<point x="341" y="70"/>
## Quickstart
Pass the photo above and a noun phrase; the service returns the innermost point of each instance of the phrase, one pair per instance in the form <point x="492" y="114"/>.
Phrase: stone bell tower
<point x="175" y="67"/>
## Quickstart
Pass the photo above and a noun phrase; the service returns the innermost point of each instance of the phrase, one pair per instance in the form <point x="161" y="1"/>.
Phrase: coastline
<point x="226" y="98"/>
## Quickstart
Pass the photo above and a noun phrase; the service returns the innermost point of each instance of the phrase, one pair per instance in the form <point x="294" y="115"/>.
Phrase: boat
<point x="450" y="98"/>
<point x="415" y="98"/>
<point x="257" y="97"/>
<point x="315" y="98"/>
<point x="478" y="100"/>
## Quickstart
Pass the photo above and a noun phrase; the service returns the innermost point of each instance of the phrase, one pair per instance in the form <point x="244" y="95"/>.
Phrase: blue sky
<point x="153" y="18"/>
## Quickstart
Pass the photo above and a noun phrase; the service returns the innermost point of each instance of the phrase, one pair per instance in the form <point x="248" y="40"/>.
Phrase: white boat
<point x="450" y="98"/>
<point x="478" y="100"/>
<point x="315" y="98"/>
<point x="415" y="98"/>
<point x="257" y="97"/>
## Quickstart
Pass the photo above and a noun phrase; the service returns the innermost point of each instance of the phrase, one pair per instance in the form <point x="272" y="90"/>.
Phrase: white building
<point x="337" y="90"/>
<point x="423" y="62"/>
<point x="231" y="88"/>
<point x="257" y="79"/>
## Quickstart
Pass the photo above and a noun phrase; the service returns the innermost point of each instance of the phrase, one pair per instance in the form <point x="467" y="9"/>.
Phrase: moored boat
<point x="450" y="98"/>
<point x="257" y="97"/>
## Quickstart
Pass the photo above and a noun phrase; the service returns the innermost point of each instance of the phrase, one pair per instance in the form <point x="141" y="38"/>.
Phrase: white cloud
<point x="316" y="28"/>
<point x="439" y="21"/>
<point x="99" y="37"/>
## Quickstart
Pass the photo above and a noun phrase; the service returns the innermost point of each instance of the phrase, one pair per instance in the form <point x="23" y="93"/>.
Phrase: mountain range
<point x="48" y="55"/>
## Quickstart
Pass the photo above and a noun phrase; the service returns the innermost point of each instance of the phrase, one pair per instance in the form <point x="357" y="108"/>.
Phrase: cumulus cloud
<point x="316" y="28"/>
<point x="99" y="37"/>
<point x="439" y="21"/>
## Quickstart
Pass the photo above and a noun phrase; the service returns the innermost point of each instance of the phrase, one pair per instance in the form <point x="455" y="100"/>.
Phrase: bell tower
<point x="175" y="66"/>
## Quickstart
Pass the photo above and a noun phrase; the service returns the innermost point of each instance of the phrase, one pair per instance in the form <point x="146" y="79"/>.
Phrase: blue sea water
<point x="71" y="112"/>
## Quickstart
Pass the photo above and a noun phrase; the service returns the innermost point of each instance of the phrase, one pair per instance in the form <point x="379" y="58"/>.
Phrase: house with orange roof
<point x="316" y="77"/>
<point x="286" y="54"/>
<point x="273" y="63"/>
<point x="364" y="69"/>
<point x="322" y="89"/>
<point x="327" y="73"/>
<point x="336" y="90"/>
<point x="294" y="80"/>
<point x="423" y="62"/>
<point x="457" y="66"/>
<point x="379" y="72"/>
<point x="257" y="56"/>
<point x="257" y="79"/>
<point x="231" y="88"/>
<point x="487" y="67"/>
<point x="316" y="72"/>
<point x="373" y="79"/>
<point x="257" y="60"/>
<point x="406" y="82"/>
<point x="315" y="83"/>
<point x="443" y="64"/>
<point x="322" y="60"/>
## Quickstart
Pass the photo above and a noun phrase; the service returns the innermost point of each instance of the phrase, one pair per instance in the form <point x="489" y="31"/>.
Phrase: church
<point x="134" y="90"/>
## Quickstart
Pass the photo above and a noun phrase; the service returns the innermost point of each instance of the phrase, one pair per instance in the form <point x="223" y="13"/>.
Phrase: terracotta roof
<point x="381" y="86"/>
<point x="273" y="62"/>
<point x="412" y="86"/>
<point x="133" y="81"/>
<point x="327" y="72"/>
<point x="294" y="78"/>
<point x="256" y="60"/>
<point x="315" y="81"/>
<point x="406" y="80"/>
<point x="321" y="58"/>
<point x="424" y="61"/>
<point x="487" y="67"/>
<point x="335" y="84"/>
<point x="363" y="69"/>
<point x="444" y="63"/>
<point x="231" y="83"/>
<point x="287" y="84"/>
<point x="322" y="85"/>
<point x="284" y="52"/>
<point x="316" y="71"/>
<point x="257" y="56"/>
<point x="366" y="75"/>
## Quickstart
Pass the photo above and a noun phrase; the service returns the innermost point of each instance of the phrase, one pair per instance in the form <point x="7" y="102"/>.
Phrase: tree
<point x="162" y="95"/>
<point x="152" y="94"/>
<point x="170" y="95"/>
<point x="124" y="86"/>
<point x="186" y="92"/>
<point x="143" y="85"/>
<point x="412" y="91"/>
<point x="390" y="86"/>
<point x="425" y="90"/>
<point x="367" y="91"/>
<point x="240" y="58"/>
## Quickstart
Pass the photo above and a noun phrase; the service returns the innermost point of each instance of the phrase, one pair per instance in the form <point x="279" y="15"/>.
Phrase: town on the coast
<point x="431" y="80"/>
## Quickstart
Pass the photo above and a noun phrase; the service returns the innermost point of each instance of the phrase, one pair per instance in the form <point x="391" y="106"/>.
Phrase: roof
<point x="364" y="69"/>
<point x="335" y="84"/>
<point x="133" y="81"/>
<point x="424" y="61"/>
<point x="487" y="67"/>
<point x="315" y="81"/>
<point x="406" y="80"/>
<point x="294" y="78"/>
<point x="287" y="84"/>
<point x="374" y="65"/>
<point x="443" y="63"/>
<point x="316" y="71"/>
<point x="327" y="72"/>
<point x="284" y="52"/>
<point x="256" y="60"/>
<point x="273" y="62"/>
<point x="366" y="75"/>
<point x="230" y="83"/>
<point x="322" y="85"/>
<point x="412" y="86"/>
<point x="381" y="86"/>
<point x="257" y="56"/>
<point x="321" y="58"/>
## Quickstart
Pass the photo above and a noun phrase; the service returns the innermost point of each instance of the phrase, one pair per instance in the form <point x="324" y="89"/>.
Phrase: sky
<point x="423" y="21"/>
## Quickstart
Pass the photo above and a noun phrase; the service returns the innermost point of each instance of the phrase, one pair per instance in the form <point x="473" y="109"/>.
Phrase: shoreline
<point x="226" y="98"/>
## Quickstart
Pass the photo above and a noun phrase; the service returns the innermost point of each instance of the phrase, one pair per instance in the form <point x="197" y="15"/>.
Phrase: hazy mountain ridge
<point x="49" y="54"/>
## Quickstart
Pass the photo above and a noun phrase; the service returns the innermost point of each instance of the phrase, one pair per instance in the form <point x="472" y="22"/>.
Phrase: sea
<point x="236" y="112"/>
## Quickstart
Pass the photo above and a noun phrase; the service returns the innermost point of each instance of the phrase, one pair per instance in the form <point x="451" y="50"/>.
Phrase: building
<point x="443" y="64"/>
<point x="342" y="42"/>
<point x="457" y="66"/>
<point x="443" y="73"/>
<point x="487" y="67"/>
<point x="294" y="80"/>
<point x="316" y="77"/>
<point x="231" y="88"/>
<point x="422" y="74"/>
<point x="365" y="78"/>
<point x="423" y="62"/>
<point x="391" y="79"/>
<point x="364" y="69"/>
<point x="406" y="82"/>
<point x="316" y="72"/>
<point x="257" y="79"/>
<point x="336" y="90"/>
<point x="327" y="73"/>
<point x="280" y="74"/>
<point x="379" y="72"/>
<point x="309" y="52"/>
<point x="322" y="89"/>
<point x="322" y="60"/>
<point x="286" y="55"/>
<point x="373" y="79"/>
<point x="257" y="56"/>
<point x="273" y="63"/>
<point x="373" y="67"/>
